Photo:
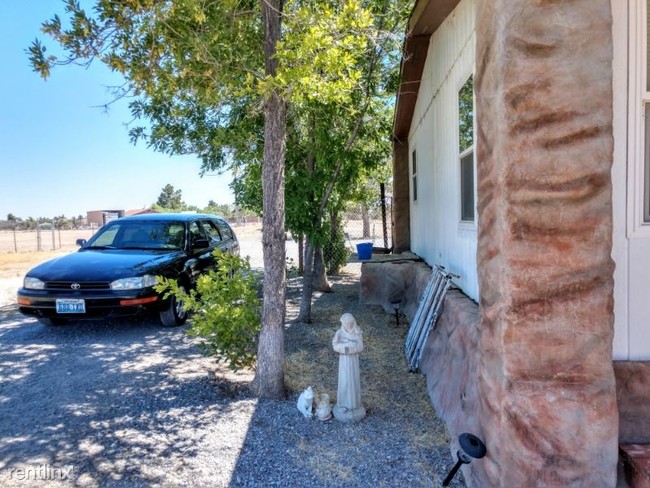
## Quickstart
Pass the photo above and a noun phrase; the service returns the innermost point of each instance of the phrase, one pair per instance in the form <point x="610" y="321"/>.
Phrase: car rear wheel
<point x="52" y="321"/>
<point x="173" y="315"/>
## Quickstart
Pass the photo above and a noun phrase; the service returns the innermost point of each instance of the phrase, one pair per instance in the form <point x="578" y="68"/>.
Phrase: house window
<point x="414" y="167"/>
<point x="466" y="150"/>
<point x="638" y="170"/>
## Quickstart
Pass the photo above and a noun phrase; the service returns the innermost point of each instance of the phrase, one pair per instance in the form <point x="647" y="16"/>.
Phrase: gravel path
<point x="128" y="403"/>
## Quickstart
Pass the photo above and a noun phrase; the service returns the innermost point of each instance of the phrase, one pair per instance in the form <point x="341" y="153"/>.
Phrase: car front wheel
<point x="173" y="314"/>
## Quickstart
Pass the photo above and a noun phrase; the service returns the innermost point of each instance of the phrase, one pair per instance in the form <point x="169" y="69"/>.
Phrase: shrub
<point x="226" y="310"/>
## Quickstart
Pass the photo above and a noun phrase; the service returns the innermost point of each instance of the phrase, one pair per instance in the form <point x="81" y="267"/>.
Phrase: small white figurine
<point x="322" y="407"/>
<point x="305" y="402"/>
<point x="348" y="342"/>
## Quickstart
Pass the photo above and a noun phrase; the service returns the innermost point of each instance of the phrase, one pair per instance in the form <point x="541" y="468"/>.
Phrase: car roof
<point x="182" y="217"/>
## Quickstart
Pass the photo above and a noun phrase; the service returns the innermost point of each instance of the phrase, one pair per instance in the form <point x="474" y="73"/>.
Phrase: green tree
<point x="170" y="199"/>
<point x="30" y="223"/>
<point x="222" y="209"/>
<point x="466" y="115"/>
<point x="199" y="72"/>
<point x="333" y="141"/>
<point x="61" y="222"/>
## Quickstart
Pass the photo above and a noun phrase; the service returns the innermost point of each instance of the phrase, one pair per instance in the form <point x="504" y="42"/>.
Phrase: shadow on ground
<point x="399" y="443"/>
<point x="128" y="403"/>
<point x="121" y="402"/>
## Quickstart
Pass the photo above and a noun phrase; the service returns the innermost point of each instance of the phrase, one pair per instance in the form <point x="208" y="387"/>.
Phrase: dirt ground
<point x="139" y="407"/>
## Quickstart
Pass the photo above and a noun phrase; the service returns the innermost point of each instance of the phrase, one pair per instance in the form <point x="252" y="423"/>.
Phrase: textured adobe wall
<point x="400" y="280"/>
<point x="544" y="117"/>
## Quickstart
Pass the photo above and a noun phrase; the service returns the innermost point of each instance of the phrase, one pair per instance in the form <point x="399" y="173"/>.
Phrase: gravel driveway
<point x="128" y="403"/>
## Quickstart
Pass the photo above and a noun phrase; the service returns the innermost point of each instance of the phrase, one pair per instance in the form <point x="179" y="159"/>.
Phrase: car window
<point x="225" y="229"/>
<point x="176" y="235"/>
<point x="106" y="236"/>
<point x="196" y="232"/>
<point x="134" y="234"/>
<point x="211" y="229"/>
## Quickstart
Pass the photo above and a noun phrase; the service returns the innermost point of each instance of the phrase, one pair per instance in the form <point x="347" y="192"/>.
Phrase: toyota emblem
<point x="75" y="286"/>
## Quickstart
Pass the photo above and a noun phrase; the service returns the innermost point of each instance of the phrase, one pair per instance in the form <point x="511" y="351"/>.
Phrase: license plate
<point x="70" y="305"/>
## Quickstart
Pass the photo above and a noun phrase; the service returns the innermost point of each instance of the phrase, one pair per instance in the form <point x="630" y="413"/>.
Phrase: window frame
<point x="226" y="231"/>
<point x="212" y="230"/>
<point x="461" y="160"/>
<point x="462" y="154"/>
<point x="414" y="177"/>
<point x="638" y="184"/>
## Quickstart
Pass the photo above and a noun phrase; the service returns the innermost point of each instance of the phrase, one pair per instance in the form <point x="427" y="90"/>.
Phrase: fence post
<point x="365" y="216"/>
<point x="382" y="191"/>
<point x="38" y="237"/>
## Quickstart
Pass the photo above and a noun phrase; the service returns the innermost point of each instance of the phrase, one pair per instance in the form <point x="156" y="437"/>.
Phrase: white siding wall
<point x="437" y="234"/>
<point x="631" y="239"/>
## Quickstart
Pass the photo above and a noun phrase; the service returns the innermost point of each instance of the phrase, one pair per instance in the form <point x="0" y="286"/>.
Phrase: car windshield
<point x="139" y="235"/>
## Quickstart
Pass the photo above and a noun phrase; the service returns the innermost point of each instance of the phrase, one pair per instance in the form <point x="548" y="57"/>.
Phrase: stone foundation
<point x="633" y="398"/>
<point x="451" y="363"/>
<point x="403" y="281"/>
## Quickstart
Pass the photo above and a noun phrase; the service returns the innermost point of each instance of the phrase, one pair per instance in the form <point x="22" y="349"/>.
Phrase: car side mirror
<point x="81" y="242"/>
<point x="201" y="244"/>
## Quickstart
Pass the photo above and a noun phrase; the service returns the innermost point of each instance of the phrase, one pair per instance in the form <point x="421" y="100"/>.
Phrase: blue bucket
<point x="364" y="250"/>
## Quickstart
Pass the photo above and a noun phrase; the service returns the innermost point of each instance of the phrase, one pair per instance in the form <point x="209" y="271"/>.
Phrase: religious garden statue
<point x="348" y="342"/>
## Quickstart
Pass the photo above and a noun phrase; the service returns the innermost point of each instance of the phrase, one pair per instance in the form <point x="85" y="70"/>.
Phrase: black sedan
<point x="114" y="272"/>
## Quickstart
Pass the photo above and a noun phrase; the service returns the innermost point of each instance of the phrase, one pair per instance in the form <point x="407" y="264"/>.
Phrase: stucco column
<point x="544" y="122"/>
<point x="401" y="198"/>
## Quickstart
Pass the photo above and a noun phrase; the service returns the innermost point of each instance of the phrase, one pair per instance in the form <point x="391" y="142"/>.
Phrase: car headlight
<point x="134" y="283"/>
<point x="33" y="283"/>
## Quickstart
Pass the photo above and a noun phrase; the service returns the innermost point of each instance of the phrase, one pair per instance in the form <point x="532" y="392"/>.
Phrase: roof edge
<point x="426" y="17"/>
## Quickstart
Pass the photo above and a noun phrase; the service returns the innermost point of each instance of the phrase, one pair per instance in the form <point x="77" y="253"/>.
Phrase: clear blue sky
<point x="60" y="152"/>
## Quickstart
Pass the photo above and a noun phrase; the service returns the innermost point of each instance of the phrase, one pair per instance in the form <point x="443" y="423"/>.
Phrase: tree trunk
<point x="301" y="256"/>
<point x="365" y="216"/>
<point x="320" y="282"/>
<point x="307" y="283"/>
<point x="269" y="375"/>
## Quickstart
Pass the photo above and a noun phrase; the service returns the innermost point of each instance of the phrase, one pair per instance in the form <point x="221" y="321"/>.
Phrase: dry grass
<point x="396" y="401"/>
<point x="326" y="465"/>
<point x="13" y="265"/>
<point x="311" y="361"/>
<point x="392" y="395"/>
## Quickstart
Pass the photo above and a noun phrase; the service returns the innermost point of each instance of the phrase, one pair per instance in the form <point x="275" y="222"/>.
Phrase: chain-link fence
<point x="372" y="225"/>
<point x="358" y="224"/>
<point x="43" y="239"/>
